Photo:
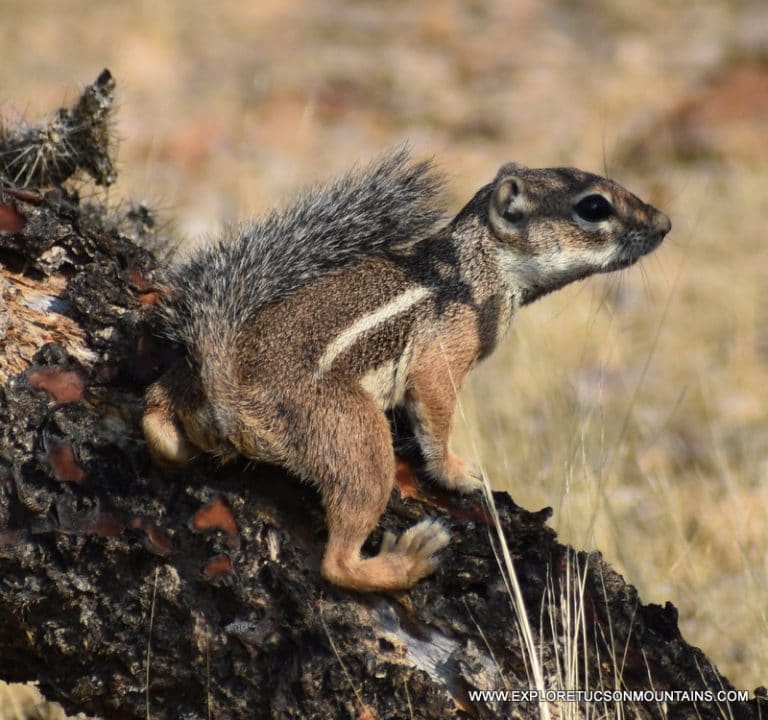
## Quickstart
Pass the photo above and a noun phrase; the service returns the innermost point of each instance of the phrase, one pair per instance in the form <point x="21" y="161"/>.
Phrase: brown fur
<point x="307" y="383"/>
<point x="437" y="374"/>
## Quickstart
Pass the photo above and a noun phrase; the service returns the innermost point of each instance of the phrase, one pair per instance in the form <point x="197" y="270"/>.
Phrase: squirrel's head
<point x="556" y="225"/>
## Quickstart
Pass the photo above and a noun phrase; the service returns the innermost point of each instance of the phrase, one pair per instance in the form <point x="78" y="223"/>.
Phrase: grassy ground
<point x="635" y="405"/>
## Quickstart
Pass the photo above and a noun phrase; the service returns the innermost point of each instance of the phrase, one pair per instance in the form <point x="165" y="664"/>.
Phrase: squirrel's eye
<point x="594" y="208"/>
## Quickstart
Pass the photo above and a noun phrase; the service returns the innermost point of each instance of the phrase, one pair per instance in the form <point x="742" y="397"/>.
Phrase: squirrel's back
<point x="365" y="213"/>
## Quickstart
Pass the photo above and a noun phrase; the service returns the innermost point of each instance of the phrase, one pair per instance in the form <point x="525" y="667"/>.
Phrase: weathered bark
<point x="126" y="592"/>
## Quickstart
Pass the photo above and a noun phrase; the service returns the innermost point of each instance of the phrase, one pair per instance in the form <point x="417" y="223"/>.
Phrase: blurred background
<point x="636" y="405"/>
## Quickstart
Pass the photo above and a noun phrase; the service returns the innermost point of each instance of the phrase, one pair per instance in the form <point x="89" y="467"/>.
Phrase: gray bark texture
<point x="128" y="593"/>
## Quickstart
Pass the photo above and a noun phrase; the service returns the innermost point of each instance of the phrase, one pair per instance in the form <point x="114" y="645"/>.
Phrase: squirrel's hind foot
<point x="166" y="441"/>
<point x="400" y="564"/>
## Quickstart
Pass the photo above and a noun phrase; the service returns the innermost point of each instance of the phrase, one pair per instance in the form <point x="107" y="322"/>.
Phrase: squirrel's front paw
<point x="457" y="475"/>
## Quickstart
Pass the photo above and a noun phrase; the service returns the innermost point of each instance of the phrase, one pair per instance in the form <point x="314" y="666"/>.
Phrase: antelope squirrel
<point x="304" y="330"/>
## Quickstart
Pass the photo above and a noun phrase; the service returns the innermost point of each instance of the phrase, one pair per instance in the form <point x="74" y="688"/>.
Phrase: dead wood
<point x="128" y="593"/>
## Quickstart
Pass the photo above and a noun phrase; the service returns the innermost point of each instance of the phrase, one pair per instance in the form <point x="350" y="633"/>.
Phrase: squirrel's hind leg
<point x="346" y="449"/>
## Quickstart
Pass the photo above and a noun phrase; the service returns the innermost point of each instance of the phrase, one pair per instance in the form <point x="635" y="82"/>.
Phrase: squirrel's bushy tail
<point x="365" y="213"/>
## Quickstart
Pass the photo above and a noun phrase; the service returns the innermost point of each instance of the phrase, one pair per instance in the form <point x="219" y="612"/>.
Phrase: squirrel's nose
<point x="661" y="223"/>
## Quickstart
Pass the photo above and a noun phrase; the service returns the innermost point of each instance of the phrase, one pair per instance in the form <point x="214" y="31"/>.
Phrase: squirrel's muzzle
<point x="661" y="223"/>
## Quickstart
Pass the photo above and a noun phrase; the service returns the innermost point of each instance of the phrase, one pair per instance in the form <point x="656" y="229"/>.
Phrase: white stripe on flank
<point x="348" y="337"/>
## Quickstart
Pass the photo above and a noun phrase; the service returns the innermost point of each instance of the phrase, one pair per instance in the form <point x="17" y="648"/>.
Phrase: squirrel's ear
<point x="507" y="209"/>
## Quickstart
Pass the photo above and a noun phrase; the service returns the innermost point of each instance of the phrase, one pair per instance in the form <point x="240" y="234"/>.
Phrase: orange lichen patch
<point x="10" y="219"/>
<point x="405" y="479"/>
<point x="61" y="458"/>
<point x="218" y="565"/>
<point x="138" y="281"/>
<point x="215" y="515"/>
<point x="146" y="291"/>
<point x="88" y="522"/>
<point x="157" y="540"/>
<point x="63" y="386"/>
<point x="106" y="525"/>
<point x="149" y="298"/>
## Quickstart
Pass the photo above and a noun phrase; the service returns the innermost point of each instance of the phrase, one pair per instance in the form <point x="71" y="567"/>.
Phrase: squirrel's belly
<point x="386" y="383"/>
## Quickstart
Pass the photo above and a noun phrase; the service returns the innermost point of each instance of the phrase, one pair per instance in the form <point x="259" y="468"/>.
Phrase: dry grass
<point x="635" y="405"/>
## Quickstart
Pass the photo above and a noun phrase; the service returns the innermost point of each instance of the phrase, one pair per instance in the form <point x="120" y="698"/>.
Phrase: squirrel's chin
<point x="619" y="264"/>
<point x="626" y="261"/>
